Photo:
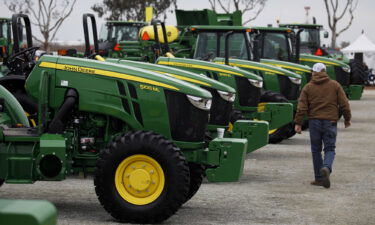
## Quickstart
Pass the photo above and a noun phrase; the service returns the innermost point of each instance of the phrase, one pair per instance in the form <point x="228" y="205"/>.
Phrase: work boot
<point x="324" y="172"/>
<point x="317" y="183"/>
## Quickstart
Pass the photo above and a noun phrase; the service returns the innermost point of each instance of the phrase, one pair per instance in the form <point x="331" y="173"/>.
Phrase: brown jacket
<point x="321" y="98"/>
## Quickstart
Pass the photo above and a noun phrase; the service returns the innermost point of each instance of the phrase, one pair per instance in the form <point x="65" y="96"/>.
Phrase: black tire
<point x="358" y="72"/>
<point x="285" y="131"/>
<point x="1" y="182"/>
<point x="236" y="115"/>
<point x="196" y="178"/>
<point x="148" y="144"/>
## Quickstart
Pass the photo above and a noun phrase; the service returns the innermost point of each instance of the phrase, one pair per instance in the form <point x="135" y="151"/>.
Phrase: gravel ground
<point x="274" y="189"/>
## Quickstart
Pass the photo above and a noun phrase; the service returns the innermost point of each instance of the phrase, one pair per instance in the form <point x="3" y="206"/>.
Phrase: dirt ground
<point x="274" y="189"/>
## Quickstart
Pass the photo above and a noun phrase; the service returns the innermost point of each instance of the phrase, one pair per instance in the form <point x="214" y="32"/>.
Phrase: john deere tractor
<point x="141" y="133"/>
<point x="283" y="44"/>
<point x="310" y="44"/>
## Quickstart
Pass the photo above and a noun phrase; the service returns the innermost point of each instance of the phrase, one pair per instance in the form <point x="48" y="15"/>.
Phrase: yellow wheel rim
<point x="272" y="131"/>
<point x="139" y="179"/>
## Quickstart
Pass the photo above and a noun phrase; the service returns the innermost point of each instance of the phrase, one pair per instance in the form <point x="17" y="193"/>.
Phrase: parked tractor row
<point x="149" y="109"/>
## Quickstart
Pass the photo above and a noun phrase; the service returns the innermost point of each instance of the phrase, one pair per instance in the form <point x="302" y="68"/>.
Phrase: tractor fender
<point x="13" y="108"/>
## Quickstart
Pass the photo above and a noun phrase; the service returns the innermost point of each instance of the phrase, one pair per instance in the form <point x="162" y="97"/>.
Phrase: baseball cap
<point x="318" y="67"/>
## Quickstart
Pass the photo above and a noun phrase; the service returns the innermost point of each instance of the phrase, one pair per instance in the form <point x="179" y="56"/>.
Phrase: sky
<point x="286" y="11"/>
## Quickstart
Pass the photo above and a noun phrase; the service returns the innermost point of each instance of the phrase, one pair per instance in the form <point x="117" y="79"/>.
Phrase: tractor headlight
<point x="201" y="103"/>
<point x="346" y="69"/>
<point x="256" y="83"/>
<point x="227" y="96"/>
<point x="295" y="80"/>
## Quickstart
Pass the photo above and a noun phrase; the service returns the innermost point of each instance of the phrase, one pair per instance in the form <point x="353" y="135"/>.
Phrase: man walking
<point x="321" y="100"/>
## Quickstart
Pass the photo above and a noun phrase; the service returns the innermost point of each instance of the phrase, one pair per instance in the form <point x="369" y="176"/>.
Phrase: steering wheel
<point x="21" y="62"/>
<point x="208" y="56"/>
<point x="25" y="55"/>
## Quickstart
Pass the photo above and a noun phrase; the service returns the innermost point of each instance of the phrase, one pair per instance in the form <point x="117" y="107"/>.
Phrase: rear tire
<point x="141" y="177"/>
<point x="358" y="73"/>
<point x="285" y="131"/>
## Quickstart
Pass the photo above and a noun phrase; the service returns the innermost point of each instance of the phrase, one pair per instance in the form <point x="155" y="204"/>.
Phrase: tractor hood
<point x="208" y="66"/>
<point x="107" y="70"/>
<point x="287" y="65"/>
<point x="258" y="66"/>
<point x="321" y="59"/>
<point x="194" y="78"/>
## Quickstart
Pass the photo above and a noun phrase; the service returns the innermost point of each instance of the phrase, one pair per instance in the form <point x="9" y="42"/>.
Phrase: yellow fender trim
<point x="199" y="67"/>
<point x="92" y="71"/>
<point x="319" y="61"/>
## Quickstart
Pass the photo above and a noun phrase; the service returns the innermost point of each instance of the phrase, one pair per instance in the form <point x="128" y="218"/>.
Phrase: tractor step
<point x="20" y="132"/>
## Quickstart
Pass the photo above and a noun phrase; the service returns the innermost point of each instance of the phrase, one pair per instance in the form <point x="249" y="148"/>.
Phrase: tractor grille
<point x="341" y="76"/>
<point x="188" y="123"/>
<point x="288" y="88"/>
<point x="220" y="109"/>
<point x="247" y="94"/>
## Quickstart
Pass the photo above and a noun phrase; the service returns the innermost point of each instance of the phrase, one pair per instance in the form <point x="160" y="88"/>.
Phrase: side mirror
<point x="325" y="34"/>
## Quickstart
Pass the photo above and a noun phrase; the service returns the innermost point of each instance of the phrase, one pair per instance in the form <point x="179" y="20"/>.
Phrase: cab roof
<point x="271" y="29"/>
<point x="117" y="23"/>
<point x="218" y="28"/>
<point x="301" y="25"/>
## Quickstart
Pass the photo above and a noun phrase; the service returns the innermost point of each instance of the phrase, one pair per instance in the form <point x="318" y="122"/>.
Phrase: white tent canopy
<point x="361" y="44"/>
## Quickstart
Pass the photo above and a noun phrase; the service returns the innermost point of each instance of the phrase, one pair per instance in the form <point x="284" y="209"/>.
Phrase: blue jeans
<point x="322" y="133"/>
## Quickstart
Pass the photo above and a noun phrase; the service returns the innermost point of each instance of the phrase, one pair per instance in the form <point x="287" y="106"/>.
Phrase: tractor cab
<point x="119" y="37"/>
<point x="309" y="35"/>
<point x="211" y="42"/>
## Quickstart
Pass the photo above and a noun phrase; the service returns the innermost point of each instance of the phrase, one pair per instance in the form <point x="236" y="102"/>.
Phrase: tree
<point x="243" y="5"/>
<point x="345" y="44"/>
<point x="132" y="9"/>
<point x="47" y="15"/>
<point x="334" y="16"/>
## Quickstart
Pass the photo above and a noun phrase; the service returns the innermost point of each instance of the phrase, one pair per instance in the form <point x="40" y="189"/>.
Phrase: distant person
<point x="321" y="100"/>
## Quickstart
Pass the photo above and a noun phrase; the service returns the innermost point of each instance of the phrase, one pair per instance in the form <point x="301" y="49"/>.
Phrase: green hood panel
<point x="258" y="66"/>
<point x="287" y="65"/>
<point x="321" y="59"/>
<point x="107" y="70"/>
<point x="194" y="78"/>
<point x="204" y="65"/>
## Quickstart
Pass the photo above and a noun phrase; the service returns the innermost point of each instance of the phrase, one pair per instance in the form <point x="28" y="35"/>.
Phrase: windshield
<point x="310" y="37"/>
<point x="117" y="33"/>
<point x="275" y="46"/>
<point x="3" y="30"/>
<point x="212" y="44"/>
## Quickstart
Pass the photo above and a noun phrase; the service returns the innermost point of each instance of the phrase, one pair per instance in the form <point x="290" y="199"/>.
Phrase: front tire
<point x="196" y="178"/>
<point x="141" y="177"/>
<point x="284" y="132"/>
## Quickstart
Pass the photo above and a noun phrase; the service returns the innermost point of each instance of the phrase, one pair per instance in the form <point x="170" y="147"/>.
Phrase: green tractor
<point x="282" y="44"/>
<point x="141" y="133"/>
<point x="222" y="95"/>
<point x="309" y="43"/>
